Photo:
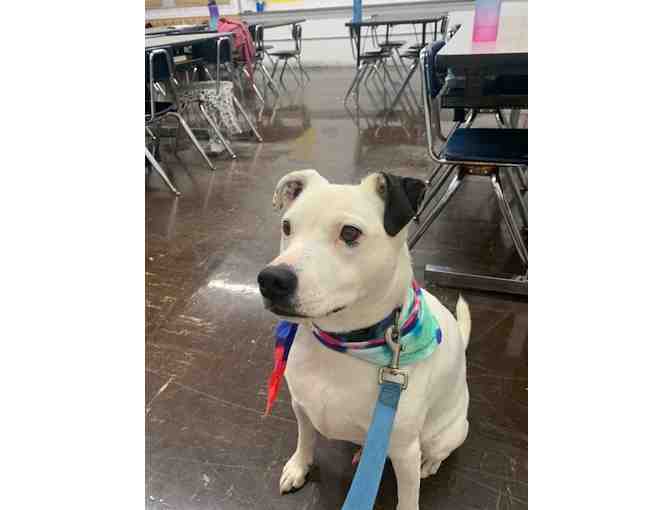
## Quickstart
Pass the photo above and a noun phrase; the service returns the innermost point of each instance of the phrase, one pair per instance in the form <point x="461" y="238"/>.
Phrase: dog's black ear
<point x="292" y="185"/>
<point x="402" y="197"/>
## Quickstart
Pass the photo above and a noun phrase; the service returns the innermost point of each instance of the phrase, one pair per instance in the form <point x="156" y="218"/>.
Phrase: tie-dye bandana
<point x="420" y="334"/>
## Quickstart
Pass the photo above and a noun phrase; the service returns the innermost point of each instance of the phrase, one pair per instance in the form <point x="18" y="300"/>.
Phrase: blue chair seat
<point x="503" y="146"/>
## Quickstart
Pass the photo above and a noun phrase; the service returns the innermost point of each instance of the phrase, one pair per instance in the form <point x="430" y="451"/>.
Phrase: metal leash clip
<point x="393" y="373"/>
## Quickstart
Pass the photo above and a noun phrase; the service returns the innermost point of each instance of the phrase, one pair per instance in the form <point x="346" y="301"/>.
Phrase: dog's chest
<point x="336" y="391"/>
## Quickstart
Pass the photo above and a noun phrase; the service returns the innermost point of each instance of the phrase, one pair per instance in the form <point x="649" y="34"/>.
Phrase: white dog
<point x="344" y="265"/>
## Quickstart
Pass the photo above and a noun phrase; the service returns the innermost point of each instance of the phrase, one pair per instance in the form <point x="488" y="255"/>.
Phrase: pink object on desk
<point x="486" y="20"/>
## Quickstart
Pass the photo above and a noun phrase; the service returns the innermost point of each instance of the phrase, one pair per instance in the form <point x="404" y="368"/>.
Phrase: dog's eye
<point x="286" y="227"/>
<point x="350" y="234"/>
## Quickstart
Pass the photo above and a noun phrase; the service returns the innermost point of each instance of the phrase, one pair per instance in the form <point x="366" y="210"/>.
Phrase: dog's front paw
<point x="294" y="473"/>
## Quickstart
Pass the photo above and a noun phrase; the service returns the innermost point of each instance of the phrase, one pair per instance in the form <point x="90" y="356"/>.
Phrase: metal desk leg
<point x="358" y="34"/>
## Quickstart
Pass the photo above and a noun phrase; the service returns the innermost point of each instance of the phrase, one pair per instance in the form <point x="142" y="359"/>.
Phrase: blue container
<point x="357" y="11"/>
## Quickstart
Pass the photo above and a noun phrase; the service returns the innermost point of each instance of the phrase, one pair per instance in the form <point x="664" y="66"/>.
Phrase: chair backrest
<point x="258" y="37"/>
<point x="297" y="34"/>
<point x="207" y="50"/>
<point x="433" y="80"/>
<point x="445" y="20"/>
<point x="162" y="68"/>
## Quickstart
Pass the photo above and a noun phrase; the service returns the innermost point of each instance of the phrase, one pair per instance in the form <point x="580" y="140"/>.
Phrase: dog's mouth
<point x="286" y="312"/>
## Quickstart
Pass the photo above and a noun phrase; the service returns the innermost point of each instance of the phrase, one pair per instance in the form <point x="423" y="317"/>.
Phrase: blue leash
<point x="364" y="487"/>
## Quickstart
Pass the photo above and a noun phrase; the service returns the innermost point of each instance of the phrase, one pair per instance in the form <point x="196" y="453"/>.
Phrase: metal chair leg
<point x="176" y="140"/>
<point x="508" y="218"/>
<point x="405" y="102"/>
<point x="282" y="72"/>
<point x="410" y="92"/>
<point x="452" y="188"/>
<point x="433" y="191"/>
<point x="519" y="196"/>
<point x="257" y="92"/>
<point x="354" y="82"/>
<point x="209" y="120"/>
<point x="298" y="79"/>
<point x="362" y="77"/>
<point x="160" y="88"/>
<point x="514" y="118"/>
<point x="270" y="80"/>
<point x="159" y="170"/>
<point x="301" y="68"/>
<point x="434" y="173"/>
<point x="379" y="84"/>
<point x="365" y="81"/>
<point x="469" y="119"/>
<point x="247" y="118"/>
<point x="275" y="66"/>
<point x="282" y="83"/>
<point x="192" y="137"/>
<point x="523" y="177"/>
<point x="151" y="134"/>
<point x="410" y="74"/>
<point x="501" y="120"/>
<point x="401" y="60"/>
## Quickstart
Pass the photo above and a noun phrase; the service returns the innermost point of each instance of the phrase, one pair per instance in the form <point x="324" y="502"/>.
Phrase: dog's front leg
<point x="295" y="471"/>
<point x="406" y="463"/>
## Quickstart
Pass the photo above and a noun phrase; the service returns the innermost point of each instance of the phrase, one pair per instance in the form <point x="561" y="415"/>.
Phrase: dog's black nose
<point x="277" y="282"/>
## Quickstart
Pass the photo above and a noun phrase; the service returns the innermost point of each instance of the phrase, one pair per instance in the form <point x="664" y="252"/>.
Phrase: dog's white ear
<point x="292" y="185"/>
<point x="402" y="197"/>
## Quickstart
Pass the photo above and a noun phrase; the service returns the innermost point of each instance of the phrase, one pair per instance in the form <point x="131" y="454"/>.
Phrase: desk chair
<point x="478" y="152"/>
<point x="286" y="55"/>
<point x="207" y="51"/>
<point x="159" y="66"/>
<point x="261" y="53"/>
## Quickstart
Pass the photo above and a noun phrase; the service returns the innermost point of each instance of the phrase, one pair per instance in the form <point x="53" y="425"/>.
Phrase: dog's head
<point x="339" y="244"/>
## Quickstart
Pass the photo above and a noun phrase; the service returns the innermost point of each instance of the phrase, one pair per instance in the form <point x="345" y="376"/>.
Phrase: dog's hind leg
<point x="297" y="467"/>
<point x="406" y="463"/>
<point x="437" y="449"/>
